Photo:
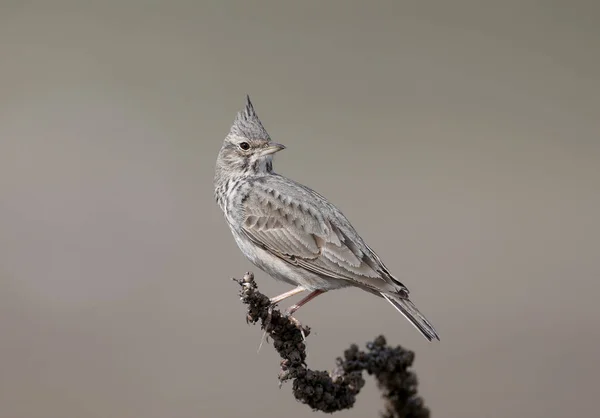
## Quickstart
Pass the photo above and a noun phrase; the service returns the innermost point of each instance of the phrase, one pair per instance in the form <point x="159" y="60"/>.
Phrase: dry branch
<point x="334" y="391"/>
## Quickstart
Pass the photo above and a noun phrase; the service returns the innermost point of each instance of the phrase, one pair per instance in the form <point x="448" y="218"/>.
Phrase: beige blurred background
<point x="461" y="139"/>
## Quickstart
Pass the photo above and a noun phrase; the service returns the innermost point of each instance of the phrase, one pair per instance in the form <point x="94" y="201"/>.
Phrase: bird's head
<point x="247" y="148"/>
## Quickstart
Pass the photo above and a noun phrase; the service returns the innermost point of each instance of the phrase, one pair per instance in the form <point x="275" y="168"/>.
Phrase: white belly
<point x="283" y="271"/>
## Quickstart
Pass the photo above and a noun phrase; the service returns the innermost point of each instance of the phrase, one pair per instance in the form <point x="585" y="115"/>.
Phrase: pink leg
<point x="275" y="300"/>
<point x="290" y="311"/>
<point x="287" y="294"/>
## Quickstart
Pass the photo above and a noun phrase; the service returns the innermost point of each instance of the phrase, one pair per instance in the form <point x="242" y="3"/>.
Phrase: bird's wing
<point x="302" y="228"/>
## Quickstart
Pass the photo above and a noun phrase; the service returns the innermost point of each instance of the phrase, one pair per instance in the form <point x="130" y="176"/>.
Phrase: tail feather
<point x="410" y="312"/>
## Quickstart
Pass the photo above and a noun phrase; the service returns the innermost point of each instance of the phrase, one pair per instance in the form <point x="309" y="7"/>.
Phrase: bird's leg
<point x="292" y="309"/>
<point x="275" y="300"/>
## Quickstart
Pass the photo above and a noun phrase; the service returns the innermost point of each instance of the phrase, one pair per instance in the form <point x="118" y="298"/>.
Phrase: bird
<point x="293" y="233"/>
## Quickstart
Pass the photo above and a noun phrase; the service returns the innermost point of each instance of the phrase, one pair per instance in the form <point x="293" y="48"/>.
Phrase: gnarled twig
<point x="335" y="391"/>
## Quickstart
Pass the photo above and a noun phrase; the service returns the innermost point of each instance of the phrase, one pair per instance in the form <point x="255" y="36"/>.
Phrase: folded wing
<point x="297" y="230"/>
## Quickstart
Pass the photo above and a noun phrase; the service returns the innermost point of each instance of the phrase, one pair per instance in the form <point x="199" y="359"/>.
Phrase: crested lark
<point x="293" y="233"/>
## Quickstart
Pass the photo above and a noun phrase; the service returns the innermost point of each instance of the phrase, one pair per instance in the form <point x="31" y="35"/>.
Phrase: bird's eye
<point x="245" y="146"/>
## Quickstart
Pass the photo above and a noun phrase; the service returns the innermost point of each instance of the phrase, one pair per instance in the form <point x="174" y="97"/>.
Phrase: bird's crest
<point x="247" y="124"/>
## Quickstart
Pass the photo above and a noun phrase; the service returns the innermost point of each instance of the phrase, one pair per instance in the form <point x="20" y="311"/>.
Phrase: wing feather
<point x="297" y="230"/>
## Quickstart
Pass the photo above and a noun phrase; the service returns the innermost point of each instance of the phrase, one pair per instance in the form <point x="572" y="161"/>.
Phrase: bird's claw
<point x="265" y="336"/>
<point x="288" y="314"/>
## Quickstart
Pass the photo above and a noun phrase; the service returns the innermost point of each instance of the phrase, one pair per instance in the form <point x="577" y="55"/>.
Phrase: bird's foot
<point x="265" y="336"/>
<point x="288" y="314"/>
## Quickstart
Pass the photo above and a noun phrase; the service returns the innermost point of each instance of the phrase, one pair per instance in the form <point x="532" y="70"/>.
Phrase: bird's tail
<point x="410" y="312"/>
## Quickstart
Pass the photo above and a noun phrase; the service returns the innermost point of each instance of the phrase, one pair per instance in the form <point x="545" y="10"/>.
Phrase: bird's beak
<point x="272" y="148"/>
